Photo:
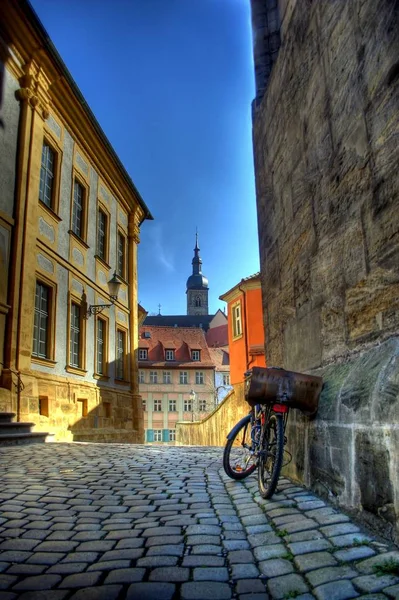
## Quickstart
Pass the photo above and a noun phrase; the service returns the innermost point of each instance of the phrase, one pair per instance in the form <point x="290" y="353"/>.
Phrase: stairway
<point x="15" y="434"/>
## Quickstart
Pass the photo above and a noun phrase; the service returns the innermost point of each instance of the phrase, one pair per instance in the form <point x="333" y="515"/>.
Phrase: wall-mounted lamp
<point x="113" y="287"/>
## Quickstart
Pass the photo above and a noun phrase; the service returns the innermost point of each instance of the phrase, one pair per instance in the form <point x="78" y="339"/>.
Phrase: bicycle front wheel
<point x="271" y="456"/>
<point x="239" y="460"/>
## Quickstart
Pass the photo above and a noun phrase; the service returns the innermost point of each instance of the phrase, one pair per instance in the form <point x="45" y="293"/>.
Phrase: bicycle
<point x="258" y="439"/>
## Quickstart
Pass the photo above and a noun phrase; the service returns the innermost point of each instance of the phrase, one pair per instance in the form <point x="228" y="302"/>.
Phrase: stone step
<point x="19" y="439"/>
<point x="6" y="417"/>
<point x="14" y="427"/>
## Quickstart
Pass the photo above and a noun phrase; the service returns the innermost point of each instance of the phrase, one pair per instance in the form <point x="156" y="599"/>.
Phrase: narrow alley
<point x="119" y="521"/>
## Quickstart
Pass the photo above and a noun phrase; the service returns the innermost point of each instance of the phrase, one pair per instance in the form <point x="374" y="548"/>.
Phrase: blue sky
<point x="171" y="83"/>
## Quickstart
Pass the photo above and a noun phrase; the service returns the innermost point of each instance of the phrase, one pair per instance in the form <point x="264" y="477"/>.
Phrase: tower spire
<point x="197" y="285"/>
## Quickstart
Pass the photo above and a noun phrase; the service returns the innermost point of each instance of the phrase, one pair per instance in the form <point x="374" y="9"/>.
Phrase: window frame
<point x="174" y="404"/>
<point x="157" y="434"/>
<point x="81" y="370"/>
<point x="104" y="374"/>
<point x="43" y="181"/>
<point x="120" y="234"/>
<point x="144" y="404"/>
<point x="125" y="371"/>
<point x="199" y="378"/>
<point x="51" y="315"/>
<point x="202" y="403"/>
<point x="154" y="377"/>
<point x="172" y="435"/>
<point x="183" y="375"/>
<point x="187" y="403"/>
<point x="169" y="354"/>
<point x="236" y="320"/>
<point x="226" y="379"/>
<point x="166" y="377"/>
<point x="55" y="191"/>
<point x="77" y="178"/>
<point x="145" y="352"/>
<point x="157" y="405"/>
<point x="141" y="376"/>
<point x="104" y="256"/>
<point x="194" y="354"/>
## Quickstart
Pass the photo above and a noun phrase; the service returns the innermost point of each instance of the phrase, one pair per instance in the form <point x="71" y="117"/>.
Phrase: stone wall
<point x="213" y="430"/>
<point x="326" y="161"/>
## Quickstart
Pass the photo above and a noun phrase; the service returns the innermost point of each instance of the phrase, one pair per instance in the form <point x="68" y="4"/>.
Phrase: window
<point x="157" y="405"/>
<point x="41" y="328"/>
<point x="83" y="406"/>
<point x="120" y="354"/>
<point x="199" y="377"/>
<point x="153" y="377"/>
<point x="166" y="377"/>
<point x="169" y="355"/>
<point x="188" y="406"/>
<point x="236" y="319"/>
<point x="202" y="405"/>
<point x="121" y="255"/>
<point x="78" y="209"/>
<point x="144" y="405"/>
<point x="143" y="354"/>
<point x="101" y="340"/>
<point x="195" y="354"/>
<point x="172" y="405"/>
<point x="183" y="377"/>
<point x="47" y="175"/>
<point x="198" y="301"/>
<point x="102" y="228"/>
<point x="157" y="435"/>
<point x="141" y="377"/>
<point x="75" y="337"/>
<point x="172" y="435"/>
<point x="43" y="406"/>
<point x="107" y="407"/>
<point x="226" y="379"/>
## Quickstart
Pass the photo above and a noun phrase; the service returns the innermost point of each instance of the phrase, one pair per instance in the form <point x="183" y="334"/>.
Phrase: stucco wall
<point x="326" y="156"/>
<point x="212" y="430"/>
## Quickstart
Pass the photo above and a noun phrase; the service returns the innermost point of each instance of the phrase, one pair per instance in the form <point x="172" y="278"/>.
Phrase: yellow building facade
<point x="70" y="220"/>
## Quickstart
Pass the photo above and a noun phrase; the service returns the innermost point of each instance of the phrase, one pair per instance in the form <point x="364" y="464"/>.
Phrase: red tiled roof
<point x="181" y="339"/>
<point x="218" y="336"/>
<point x="220" y="358"/>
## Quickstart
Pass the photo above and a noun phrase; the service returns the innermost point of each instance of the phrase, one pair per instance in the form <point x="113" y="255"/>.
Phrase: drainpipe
<point x="247" y="361"/>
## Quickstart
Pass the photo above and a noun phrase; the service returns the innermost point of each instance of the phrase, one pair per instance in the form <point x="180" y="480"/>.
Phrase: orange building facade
<point x="245" y="325"/>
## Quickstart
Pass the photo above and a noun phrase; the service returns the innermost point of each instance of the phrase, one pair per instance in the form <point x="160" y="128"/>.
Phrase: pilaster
<point x="135" y="219"/>
<point x="34" y="99"/>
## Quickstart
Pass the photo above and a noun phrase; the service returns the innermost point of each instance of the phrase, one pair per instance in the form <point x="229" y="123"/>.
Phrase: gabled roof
<point x="181" y="339"/>
<point x="252" y="279"/>
<point x="180" y="321"/>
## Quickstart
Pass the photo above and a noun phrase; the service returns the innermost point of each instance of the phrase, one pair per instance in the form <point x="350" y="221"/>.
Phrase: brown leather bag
<point x="295" y="390"/>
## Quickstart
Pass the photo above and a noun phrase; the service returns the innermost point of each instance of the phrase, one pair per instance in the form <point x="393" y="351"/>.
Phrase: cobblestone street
<point x="116" y="521"/>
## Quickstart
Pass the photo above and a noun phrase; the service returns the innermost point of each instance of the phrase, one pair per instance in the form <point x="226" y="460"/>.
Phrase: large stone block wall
<point x="327" y="178"/>
<point x="111" y="413"/>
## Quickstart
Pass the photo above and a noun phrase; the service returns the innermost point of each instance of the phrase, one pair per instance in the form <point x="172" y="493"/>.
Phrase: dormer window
<point x="195" y="355"/>
<point x="143" y="354"/>
<point x="169" y="355"/>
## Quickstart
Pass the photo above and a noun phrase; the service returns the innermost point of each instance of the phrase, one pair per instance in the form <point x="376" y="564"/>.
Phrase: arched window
<point x="197" y="301"/>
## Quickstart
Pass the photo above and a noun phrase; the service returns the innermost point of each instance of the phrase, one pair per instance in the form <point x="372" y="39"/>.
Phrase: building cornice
<point x="29" y="42"/>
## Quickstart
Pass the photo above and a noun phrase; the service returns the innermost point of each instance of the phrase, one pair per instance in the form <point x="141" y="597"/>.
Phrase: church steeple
<point x="197" y="260"/>
<point x="197" y="286"/>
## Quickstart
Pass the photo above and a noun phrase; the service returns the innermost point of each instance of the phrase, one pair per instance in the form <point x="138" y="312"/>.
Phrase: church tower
<point x="197" y="286"/>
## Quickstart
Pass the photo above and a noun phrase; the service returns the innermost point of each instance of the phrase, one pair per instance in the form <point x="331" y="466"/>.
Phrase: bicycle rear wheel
<point x="239" y="460"/>
<point x="271" y="456"/>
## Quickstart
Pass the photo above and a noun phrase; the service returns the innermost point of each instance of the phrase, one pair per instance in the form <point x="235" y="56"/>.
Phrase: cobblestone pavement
<point x="116" y="521"/>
